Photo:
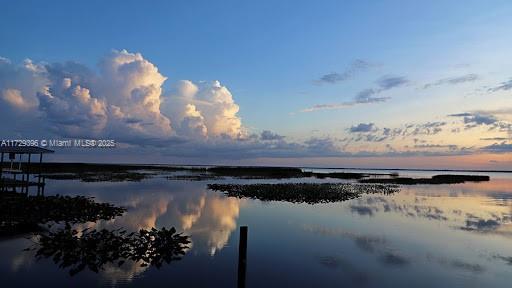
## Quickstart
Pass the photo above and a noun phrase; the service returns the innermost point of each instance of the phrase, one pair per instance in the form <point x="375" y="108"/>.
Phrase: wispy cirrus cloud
<point x="453" y="80"/>
<point x="503" y="86"/>
<point x="355" y="67"/>
<point x="365" y="96"/>
<point x="330" y="106"/>
<point x="388" y="82"/>
<point x="369" y="132"/>
<point x="436" y="146"/>
<point x="494" y="139"/>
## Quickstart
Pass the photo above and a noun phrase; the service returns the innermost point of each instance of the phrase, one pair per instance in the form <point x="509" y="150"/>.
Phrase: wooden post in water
<point x="242" y="256"/>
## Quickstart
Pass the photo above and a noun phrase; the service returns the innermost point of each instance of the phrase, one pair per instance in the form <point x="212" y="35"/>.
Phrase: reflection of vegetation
<point x="437" y="179"/>
<point x="302" y="192"/>
<point x="21" y="213"/>
<point x="93" y="249"/>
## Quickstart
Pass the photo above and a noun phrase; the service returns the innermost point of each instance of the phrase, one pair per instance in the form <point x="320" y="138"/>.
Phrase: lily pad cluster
<point x="310" y="193"/>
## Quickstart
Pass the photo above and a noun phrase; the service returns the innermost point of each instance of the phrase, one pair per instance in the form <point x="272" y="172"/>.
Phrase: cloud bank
<point x="124" y="100"/>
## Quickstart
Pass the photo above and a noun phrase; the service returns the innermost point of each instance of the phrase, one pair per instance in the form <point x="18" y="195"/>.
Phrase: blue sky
<point x="271" y="55"/>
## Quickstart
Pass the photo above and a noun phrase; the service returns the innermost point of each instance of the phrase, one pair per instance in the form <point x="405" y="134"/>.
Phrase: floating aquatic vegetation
<point x="93" y="249"/>
<point x="22" y="213"/>
<point x="284" y="172"/>
<point x="303" y="192"/>
<point x="341" y="175"/>
<point x="194" y="177"/>
<point x="436" y="179"/>
<point x="257" y="172"/>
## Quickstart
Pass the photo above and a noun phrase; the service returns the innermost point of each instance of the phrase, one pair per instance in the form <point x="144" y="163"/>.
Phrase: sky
<point x="386" y="84"/>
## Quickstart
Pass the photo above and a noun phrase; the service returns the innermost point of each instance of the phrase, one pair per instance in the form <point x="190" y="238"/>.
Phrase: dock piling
<point x="242" y="256"/>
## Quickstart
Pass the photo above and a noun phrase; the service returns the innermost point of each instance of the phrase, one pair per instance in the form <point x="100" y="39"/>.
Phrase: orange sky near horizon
<point x="470" y="162"/>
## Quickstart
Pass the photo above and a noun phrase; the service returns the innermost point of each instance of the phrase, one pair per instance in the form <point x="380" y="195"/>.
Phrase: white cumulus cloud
<point x="205" y="108"/>
<point x="124" y="100"/>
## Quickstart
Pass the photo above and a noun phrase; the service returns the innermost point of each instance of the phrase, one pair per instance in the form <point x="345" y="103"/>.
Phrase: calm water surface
<point x="424" y="236"/>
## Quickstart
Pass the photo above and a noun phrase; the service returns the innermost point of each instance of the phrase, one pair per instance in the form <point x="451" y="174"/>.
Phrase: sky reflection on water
<point x="424" y="236"/>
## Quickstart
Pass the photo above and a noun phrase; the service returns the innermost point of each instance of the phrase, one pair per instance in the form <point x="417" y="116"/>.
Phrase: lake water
<point x="423" y="236"/>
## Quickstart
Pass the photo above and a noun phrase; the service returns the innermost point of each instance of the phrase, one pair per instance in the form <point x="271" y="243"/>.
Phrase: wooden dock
<point x="17" y="172"/>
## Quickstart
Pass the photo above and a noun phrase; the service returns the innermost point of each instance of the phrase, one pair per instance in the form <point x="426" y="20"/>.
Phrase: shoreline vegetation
<point x="122" y="172"/>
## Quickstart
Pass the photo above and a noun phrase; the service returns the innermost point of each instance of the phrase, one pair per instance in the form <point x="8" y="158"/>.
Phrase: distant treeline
<point x="134" y="172"/>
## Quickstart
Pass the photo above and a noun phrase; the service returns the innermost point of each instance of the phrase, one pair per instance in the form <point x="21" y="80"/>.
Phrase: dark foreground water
<point x="424" y="236"/>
